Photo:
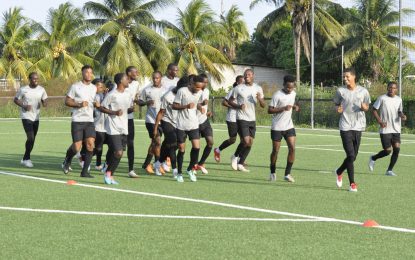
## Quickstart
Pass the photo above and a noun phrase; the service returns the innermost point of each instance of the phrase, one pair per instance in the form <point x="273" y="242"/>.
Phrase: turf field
<point x="224" y="215"/>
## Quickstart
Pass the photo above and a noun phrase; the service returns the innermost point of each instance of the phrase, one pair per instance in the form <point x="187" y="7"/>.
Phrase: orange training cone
<point x="71" y="182"/>
<point x="370" y="223"/>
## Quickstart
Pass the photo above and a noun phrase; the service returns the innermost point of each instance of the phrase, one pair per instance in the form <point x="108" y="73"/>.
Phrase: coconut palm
<point x="373" y="33"/>
<point x="62" y="47"/>
<point x="235" y="30"/>
<point x="15" y="33"/>
<point x="299" y="13"/>
<point x="193" y="40"/>
<point x="128" y="31"/>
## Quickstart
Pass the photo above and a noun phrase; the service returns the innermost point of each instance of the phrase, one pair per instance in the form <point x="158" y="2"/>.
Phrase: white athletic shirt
<point x="155" y="94"/>
<point x="168" y="84"/>
<point x="282" y="121"/>
<point x="99" y="117"/>
<point x="187" y="118"/>
<point x="202" y="117"/>
<point x="247" y="95"/>
<point x="231" y="115"/>
<point x="33" y="97"/>
<point x="134" y="88"/>
<point x="115" y="100"/>
<point x="170" y="115"/>
<point x="388" y="108"/>
<point x="81" y="92"/>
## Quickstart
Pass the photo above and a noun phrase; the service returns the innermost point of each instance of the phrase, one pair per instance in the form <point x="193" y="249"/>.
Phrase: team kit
<point x="178" y="109"/>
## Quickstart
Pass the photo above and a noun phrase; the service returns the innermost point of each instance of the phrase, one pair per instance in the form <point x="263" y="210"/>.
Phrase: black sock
<point x="114" y="164"/>
<point x="29" y="147"/>
<point x="156" y="158"/>
<point x="98" y="153"/>
<point x="108" y="156"/>
<point x="350" y="168"/>
<point x="381" y="154"/>
<point x="163" y="153"/>
<point x="239" y="150"/>
<point x="148" y="160"/>
<point x="225" y="145"/>
<point x="194" y="155"/>
<point x="272" y="167"/>
<point x="244" y="154"/>
<point x="130" y="155"/>
<point x="172" y="155"/>
<point x="205" y="155"/>
<point x="87" y="162"/>
<point x="180" y="156"/>
<point x="70" y="153"/>
<point x="394" y="158"/>
<point x="288" y="168"/>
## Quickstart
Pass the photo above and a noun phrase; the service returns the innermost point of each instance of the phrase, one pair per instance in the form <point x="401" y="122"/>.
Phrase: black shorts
<point x="246" y="128"/>
<point x="278" y="135"/>
<point x="117" y="142"/>
<point x="182" y="135"/>
<point x="232" y="129"/>
<point x="388" y="139"/>
<point x="205" y="129"/>
<point x="82" y="130"/>
<point x="150" y="129"/>
<point x="131" y="130"/>
<point x="30" y="126"/>
<point x="170" y="133"/>
<point x="100" y="139"/>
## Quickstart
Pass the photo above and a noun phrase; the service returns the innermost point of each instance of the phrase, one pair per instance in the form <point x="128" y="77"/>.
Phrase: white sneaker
<point x="353" y="187"/>
<point x="99" y="167"/>
<point x="132" y="174"/>
<point x="371" y="164"/>
<point x="242" y="168"/>
<point x="234" y="162"/>
<point x="180" y="178"/>
<point x="166" y="168"/>
<point x="80" y="161"/>
<point x="339" y="179"/>
<point x="192" y="176"/>
<point x="157" y="168"/>
<point x="27" y="163"/>
<point x="390" y="173"/>
<point x="272" y="177"/>
<point x="289" y="178"/>
<point x="175" y="173"/>
<point x="202" y="168"/>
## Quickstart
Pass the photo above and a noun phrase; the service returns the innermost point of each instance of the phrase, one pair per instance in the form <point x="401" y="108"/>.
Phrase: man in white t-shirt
<point x="29" y="99"/>
<point x="281" y="107"/>
<point x="170" y="80"/>
<point x="388" y="111"/>
<point x="116" y="105"/>
<point x="81" y="98"/>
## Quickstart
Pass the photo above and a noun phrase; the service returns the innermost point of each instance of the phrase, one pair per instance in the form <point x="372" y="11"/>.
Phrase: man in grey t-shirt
<point x="29" y="99"/>
<point x="388" y="113"/>
<point x="351" y="103"/>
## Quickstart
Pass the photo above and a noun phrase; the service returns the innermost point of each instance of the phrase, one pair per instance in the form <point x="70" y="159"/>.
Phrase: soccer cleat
<point x="272" y="177"/>
<point x="192" y="176"/>
<point x="99" y="167"/>
<point x="175" y="173"/>
<point x="371" y="164"/>
<point x="165" y="167"/>
<point x="27" y="163"/>
<point x="114" y="182"/>
<point x="339" y="179"/>
<point x="289" y="178"/>
<point x="161" y="169"/>
<point x="180" y="178"/>
<point x="86" y="175"/>
<point x="149" y="169"/>
<point x="107" y="180"/>
<point x="242" y="168"/>
<point x="216" y="154"/>
<point x="390" y="173"/>
<point x="234" y="162"/>
<point x="353" y="187"/>
<point x="157" y="167"/>
<point x="201" y="168"/>
<point x="65" y="167"/>
<point x="132" y="174"/>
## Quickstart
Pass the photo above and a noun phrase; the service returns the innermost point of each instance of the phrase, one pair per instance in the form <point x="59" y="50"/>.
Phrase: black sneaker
<point x="87" y="175"/>
<point x="65" y="167"/>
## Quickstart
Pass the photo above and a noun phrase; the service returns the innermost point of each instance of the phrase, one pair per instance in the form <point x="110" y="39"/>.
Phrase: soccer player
<point x="29" y="99"/>
<point x="169" y="81"/>
<point x="116" y="104"/>
<point x="231" y="123"/>
<point x="151" y="97"/>
<point x="205" y="128"/>
<point x="187" y="102"/>
<point x="281" y="107"/>
<point x="99" y="122"/>
<point x="352" y="101"/>
<point x="388" y="112"/>
<point x="81" y="98"/>
<point x="246" y="96"/>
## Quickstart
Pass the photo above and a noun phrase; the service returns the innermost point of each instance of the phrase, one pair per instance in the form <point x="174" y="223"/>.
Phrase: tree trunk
<point x="297" y="41"/>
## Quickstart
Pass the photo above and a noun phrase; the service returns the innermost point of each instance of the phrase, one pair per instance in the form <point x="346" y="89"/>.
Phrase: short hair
<point x="86" y="66"/>
<point x="129" y="69"/>
<point x="351" y="70"/>
<point x="96" y="81"/>
<point x="391" y="83"/>
<point x="251" y="70"/>
<point x="171" y="65"/>
<point x="203" y="75"/>
<point x="289" y="78"/>
<point x="198" y="78"/>
<point x="31" y="74"/>
<point x="157" y="72"/>
<point x="118" y="77"/>
<point x="109" y="84"/>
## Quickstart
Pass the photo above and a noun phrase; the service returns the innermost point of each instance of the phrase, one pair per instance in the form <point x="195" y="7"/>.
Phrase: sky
<point x="38" y="11"/>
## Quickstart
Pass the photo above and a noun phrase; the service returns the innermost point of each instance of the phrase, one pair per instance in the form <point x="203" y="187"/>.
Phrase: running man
<point x="388" y="112"/>
<point x="352" y="101"/>
<point x="246" y="96"/>
<point x="29" y="99"/>
<point x="81" y="98"/>
<point x="169" y="81"/>
<point x="281" y="108"/>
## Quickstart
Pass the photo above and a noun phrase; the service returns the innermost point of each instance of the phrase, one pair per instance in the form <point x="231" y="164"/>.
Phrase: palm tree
<point x="127" y="29"/>
<point x="194" y="38"/>
<point x="235" y="30"/>
<point x="373" y="33"/>
<point x="15" y="33"/>
<point x="62" y="47"/>
<point x="299" y="13"/>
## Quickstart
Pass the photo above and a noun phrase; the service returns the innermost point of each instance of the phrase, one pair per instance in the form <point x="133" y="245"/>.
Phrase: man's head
<point x="121" y="79"/>
<point x="392" y="88"/>
<point x="349" y="76"/>
<point x="156" y="77"/>
<point x="197" y="84"/>
<point x="99" y="84"/>
<point x="33" y="79"/>
<point x="249" y="76"/>
<point x="87" y="73"/>
<point x="131" y="72"/>
<point x="289" y="84"/>
<point x="205" y="80"/>
<point x="172" y="70"/>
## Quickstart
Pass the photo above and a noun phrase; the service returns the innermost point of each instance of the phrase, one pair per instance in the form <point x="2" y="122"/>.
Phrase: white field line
<point x="115" y="214"/>
<point x="208" y="202"/>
